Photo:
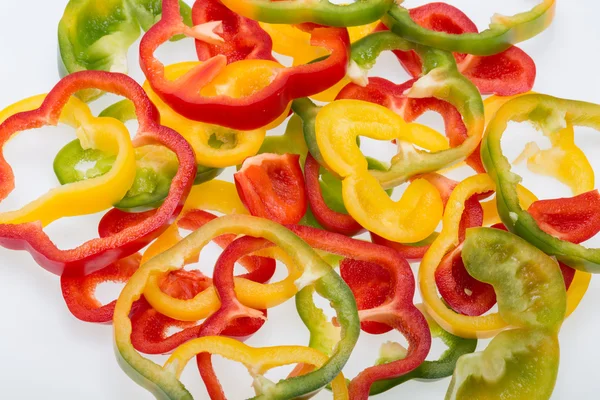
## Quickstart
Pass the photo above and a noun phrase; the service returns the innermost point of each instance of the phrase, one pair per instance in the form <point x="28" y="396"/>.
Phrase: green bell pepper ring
<point x="519" y="364"/>
<point x="360" y="12"/>
<point x="549" y="114"/>
<point x="502" y="33"/>
<point x="162" y="382"/>
<point x="96" y="35"/>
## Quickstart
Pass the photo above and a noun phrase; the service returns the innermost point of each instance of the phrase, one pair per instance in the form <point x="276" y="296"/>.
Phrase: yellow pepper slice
<point x="338" y="124"/>
<point x="88" y="196"/>
<point x="257" y="360"/>
<point x="222" y="197"/>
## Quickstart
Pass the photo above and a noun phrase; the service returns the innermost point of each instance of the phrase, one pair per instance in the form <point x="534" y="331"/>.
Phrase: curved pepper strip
<point x="428" y="370"/>
<point x="253" y="110"/>
<point x="162" y="382"/>
<point x="243" y="38"/>
<point x="80" y="198"/>
<point x="549" y="114"/>
<point x="472" y="216"/>
<point x="291" y="142"/>
<point x="531" y="296"/>
<point x="507" y="73"/>
<point x="395" y="309"/>
<point x="503" y="32"/>
<point x="257" y="360"/>
<point x="341" y="122"/>
<point x="94" y="36"/>
<point x="322" y="13"/>
<point x="272" y="186"/>
<point x="292" y="41"/>
<point x="441" y="80"/>
<point x="96" y="253"/>
<point x="564" y="160"/>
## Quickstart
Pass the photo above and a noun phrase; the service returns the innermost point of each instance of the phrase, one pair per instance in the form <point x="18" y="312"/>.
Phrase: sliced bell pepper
<point x="192" y="96"/>
<point x="564" y="160"/>
<point x="441" y="80"/>
<point x="507" y="73"/>
<point x="428" y="370"/>
<point x="517" y="364"/>
<point x="292" y="41"/>
<point x="243" y="38"/>
<point x="272" y="186"/>
<point x="520" y="363"/>
<point x="503" y="32"/>
<point x="22" y="230"/>
<point x="292" y="141"/>
<point x="322" y="13"/>
<point x="549" y="114"/>
<point x="94" y="36"/>
<point x="162" y="382"/>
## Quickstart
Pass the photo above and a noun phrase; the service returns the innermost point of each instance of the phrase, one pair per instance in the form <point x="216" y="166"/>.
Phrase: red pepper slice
<point x="331" y="220"/>
<point x="245" y="113"/>
<point x="388" y="94"/>
<point x="98" y="253"/>
<point x="574" y="219"/>
<point x="79" y="291"/>
<point x="505" y="74"/>
<point x="272" y="186"/>
<point x="243" y="38"/>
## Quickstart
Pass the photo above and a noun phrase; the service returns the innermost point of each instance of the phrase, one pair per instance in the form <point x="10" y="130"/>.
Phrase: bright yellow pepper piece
<point x="222" y="197"/>
<point x="88" y="196"/>
<point x="418" y="212"/>
<point x="257" y="360"/>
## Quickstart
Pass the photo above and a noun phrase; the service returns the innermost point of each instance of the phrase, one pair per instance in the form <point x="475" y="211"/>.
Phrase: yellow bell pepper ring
<point x="337" y="126"/>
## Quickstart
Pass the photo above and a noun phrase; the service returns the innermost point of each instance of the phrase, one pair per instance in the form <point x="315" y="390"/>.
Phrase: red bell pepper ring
<point x="98" y="253"/>
<point x="79" y="291"/>
<point x="249" y="112"/>
<point x="331" y="220"/>
<point x="388" y="94"/>
<point x="472" y="216"/>
<point x="574" y="219"/>
<point x="272" y="186"/>
<point x="505" y="74"/>
<point x="243" y="38"/>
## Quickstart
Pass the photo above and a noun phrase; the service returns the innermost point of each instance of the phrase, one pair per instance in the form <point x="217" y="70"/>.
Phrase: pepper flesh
<point x="96" y="253"/>
<point x="255" y="109"/>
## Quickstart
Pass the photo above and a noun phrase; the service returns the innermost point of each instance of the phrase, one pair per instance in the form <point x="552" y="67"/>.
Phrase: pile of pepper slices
<point x="300" y="198"/>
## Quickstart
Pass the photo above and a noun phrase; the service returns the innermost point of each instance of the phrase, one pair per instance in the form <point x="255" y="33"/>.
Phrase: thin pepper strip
<point x="163" y="383"/>
<point x="254" y="110"/>
<point x="549" y="114"/>
<point x="503" y="32"/>
<point x="96" y="253"/>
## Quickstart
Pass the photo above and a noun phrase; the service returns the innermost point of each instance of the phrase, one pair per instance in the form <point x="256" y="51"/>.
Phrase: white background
<point x="48" y="353"/>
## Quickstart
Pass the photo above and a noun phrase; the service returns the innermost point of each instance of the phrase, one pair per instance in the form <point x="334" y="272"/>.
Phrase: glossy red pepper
<point x="97" y="253"/>
<point x="331" y="220"/>
<point x="272" y="186"/>
<point x="244" y="113"/>
<point x="388" y="94"/>
<point x="243" y="38"/>
<point x="505" y="74"/>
